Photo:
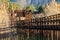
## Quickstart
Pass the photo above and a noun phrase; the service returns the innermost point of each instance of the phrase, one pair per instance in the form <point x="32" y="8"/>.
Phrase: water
<point x="30" y="34"/>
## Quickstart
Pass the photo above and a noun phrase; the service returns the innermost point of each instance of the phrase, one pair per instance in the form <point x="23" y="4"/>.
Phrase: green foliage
<point x="14" y="6"/>
<point x="7" y="2"/>
<point x="31" y="7"/>
<point x="40" y="9"/>
<point x="11" y="5"/>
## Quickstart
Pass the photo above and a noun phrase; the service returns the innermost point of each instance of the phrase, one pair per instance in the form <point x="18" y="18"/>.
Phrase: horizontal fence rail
<point x="44" y="23"/>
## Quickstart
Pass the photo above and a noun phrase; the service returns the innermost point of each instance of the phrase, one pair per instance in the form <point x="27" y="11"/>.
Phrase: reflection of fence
<point x="34" y="34"/>
<point x="8" y="33"/>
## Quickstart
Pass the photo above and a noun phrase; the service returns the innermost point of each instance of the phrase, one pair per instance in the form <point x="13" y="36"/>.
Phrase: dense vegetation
<point x="40" y="9"/>
<point x="15" y="6"/>
<point x="11" y="5"/>
<point x="30" y="7"/>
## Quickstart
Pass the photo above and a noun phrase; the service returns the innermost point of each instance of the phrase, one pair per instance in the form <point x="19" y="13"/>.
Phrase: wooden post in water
<point x="48" y="35"/>
<point x="57" y="34"/>
<point x="52" y="34"/>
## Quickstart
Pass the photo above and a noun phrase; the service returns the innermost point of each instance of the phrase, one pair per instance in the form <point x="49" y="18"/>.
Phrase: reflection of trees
<point x="35" y="34"/>
<point x="38" y="34"/>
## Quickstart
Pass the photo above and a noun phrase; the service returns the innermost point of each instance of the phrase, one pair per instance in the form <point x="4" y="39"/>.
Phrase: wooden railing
<point x="44" y="23"/>
<point x="45" y="28"/>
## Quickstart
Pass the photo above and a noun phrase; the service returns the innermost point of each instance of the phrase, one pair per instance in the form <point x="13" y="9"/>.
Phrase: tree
<point x="14" y="6"/>
<point x="40" y="9"/>
<point x="31" y="7"/>
<point x="7" y="3"/>
<point x="11" y="5"/>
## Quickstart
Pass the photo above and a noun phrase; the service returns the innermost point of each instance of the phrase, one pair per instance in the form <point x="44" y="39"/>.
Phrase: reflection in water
<point x="33" y="35"/>
<point x="38" y="34"/>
